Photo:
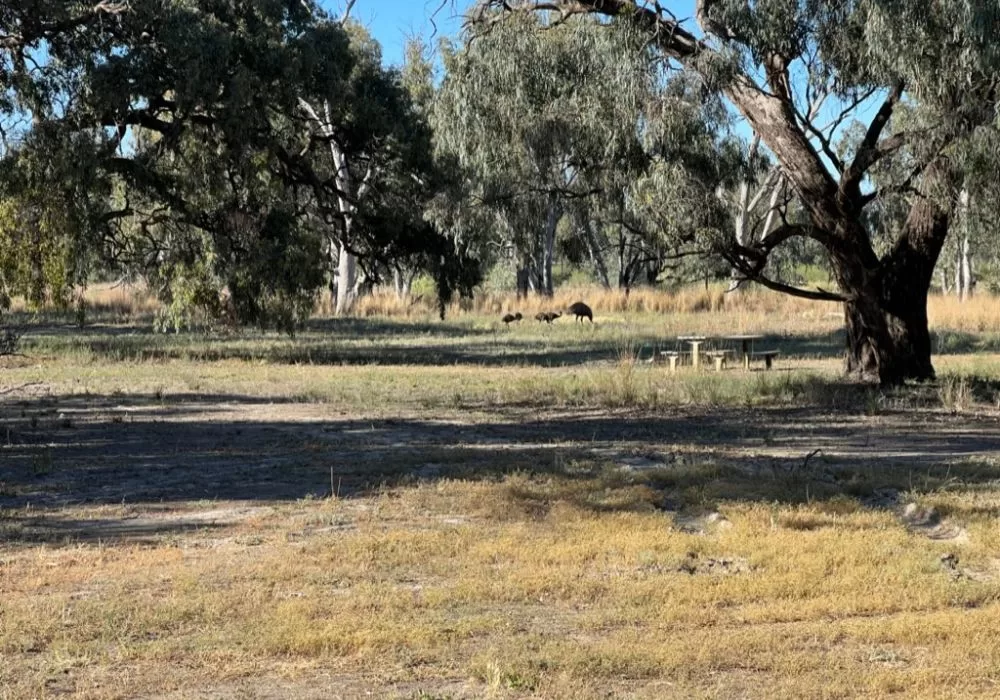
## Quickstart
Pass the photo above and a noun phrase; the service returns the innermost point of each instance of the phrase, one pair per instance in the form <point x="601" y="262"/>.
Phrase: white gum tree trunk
<point x="351" y="193"/>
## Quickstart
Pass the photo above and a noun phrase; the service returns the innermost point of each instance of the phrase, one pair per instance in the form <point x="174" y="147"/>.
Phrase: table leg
<point x="695" y="344"/>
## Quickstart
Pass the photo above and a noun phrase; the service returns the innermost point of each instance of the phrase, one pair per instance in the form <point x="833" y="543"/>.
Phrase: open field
<point x="392" y="506"/>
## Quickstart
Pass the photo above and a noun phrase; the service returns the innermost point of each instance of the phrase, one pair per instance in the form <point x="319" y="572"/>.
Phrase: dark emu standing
<point x="510" y="318"/>
<point x="581" y="311"/>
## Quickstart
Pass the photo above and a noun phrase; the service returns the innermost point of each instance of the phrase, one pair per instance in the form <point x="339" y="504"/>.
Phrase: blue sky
<point x="393" y="21"/>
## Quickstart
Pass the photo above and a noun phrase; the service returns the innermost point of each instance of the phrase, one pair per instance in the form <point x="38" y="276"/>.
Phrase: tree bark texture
<point x="547" y="287"/>
<point x="963" y="264"/>
<point x="886" y="316"/>
<point x="347" y="279"/>
<point x="523" y="276"/>
<point x="402" y="282"/>
<point x="594" y="250"/>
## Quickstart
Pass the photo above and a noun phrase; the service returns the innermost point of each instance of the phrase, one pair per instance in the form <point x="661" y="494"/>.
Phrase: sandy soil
<point x="59" y="452"/>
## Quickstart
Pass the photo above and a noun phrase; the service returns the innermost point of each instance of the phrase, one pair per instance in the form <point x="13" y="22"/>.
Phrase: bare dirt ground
<point x="59" y="451"/>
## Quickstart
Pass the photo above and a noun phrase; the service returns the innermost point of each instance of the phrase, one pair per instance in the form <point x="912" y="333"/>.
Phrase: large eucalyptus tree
<point x="557" y="119"/>
<point x="771" y="59"/>
<point x="172" y="138"/>
<point x="509" y="112"/>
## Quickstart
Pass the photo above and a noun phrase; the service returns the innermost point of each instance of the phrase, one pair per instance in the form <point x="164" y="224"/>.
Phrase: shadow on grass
<point x="962" y="343"/>
<point x="55" y="530"/>
<point x="75" y="451"/>
<point x="387" y="342"/>
<point x="323" y="353"/>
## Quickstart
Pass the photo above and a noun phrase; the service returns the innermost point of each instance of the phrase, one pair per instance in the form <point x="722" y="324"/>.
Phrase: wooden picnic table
<point x="695" y="342"/>
<point x="746" y="349"/>
<point x="746" y="345"/>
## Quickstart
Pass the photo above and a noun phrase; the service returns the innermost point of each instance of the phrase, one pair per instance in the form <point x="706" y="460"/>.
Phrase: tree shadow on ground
<point x="49" y="529"/>
<point x="333" y="328"/>
<point x="325" y="353"/>
<point x="962" y="343"/>
<point x="387" y="342"/>
<point x="81" y="452"/>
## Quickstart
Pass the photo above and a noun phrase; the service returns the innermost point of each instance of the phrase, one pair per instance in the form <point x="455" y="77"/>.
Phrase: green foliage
<point x="36" y="258"/>
<point x="582" y="111"/>
<point x="170" y="140"/>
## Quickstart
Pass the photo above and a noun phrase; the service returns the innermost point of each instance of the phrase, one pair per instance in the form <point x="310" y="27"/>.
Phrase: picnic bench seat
<point x="672" y="357"/>
<point x="767" y="355"/>
<point x="719" y="357"/>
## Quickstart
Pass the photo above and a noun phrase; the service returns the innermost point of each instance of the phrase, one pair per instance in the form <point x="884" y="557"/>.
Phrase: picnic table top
<point x="697" y="338"/>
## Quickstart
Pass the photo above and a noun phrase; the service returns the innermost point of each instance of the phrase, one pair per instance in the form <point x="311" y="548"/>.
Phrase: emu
<point x="550" y="316"/>
<point x="510" y="318"/>
<point x="581" y="310"/>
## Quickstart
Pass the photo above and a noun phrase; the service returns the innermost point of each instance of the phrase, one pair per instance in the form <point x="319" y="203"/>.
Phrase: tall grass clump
<point x="625" y="389"/>
<point x="956" y="393"/>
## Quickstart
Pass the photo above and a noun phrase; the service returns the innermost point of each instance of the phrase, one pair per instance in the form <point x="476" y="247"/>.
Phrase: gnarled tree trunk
<point x="886" y="315"/>
<point x="885" y="299"/>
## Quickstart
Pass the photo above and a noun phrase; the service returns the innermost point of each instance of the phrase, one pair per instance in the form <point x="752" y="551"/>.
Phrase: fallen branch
<point x="12" y="389"/>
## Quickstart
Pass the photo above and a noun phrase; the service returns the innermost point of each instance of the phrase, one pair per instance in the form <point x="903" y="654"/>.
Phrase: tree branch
<point x="868" y="152"/>
<point x="671" y="37"/>
<point x="786" y="231"/>
<point x="33" y="30"/>
<point x="347" y="11"/>
<point x="907" y="184"/>
<point x="816" y="295"/>
<point x="824" y="141"/>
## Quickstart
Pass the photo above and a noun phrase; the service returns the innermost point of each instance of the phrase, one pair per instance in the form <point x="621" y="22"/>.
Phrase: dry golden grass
<point x="123" y="300"/>
<point x="561" y="580"/>
<point x="527" y="587"/>
<point x="695" y="299"/>
<point x="980" y="314"/>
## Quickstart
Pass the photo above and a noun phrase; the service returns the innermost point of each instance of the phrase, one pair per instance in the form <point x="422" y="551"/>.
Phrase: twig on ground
<point x="12" y="389"/>
<point x="805" y="462"/>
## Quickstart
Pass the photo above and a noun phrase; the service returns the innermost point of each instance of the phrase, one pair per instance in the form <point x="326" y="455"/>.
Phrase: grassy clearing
<point x="522" y="587"/>
<point x="525" y="512"/>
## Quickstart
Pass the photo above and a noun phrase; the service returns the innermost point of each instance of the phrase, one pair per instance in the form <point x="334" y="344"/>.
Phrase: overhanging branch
<point x="750" y="261"/>
<point x="817" y="294"/>
<point x="671" y="37"/>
